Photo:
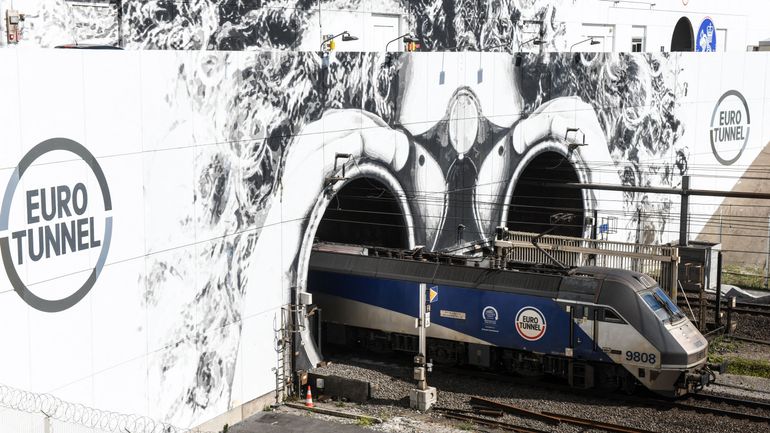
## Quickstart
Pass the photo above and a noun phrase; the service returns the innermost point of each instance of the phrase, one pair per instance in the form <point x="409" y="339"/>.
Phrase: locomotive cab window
<point x="610" y="316"/>
<point x="661" y="305"/>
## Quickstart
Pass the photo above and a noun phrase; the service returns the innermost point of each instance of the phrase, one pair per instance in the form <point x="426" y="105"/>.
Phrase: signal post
<point x="423" y="397"/>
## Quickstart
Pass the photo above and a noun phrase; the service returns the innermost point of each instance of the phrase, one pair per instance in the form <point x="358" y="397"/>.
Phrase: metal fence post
<point x="730" y="306"/>
<point x="673" y="293"/>
<point x="46" y="423"/>
<point x="718" y="308"/>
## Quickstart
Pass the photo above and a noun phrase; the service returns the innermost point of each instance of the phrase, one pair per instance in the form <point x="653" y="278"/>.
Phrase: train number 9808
<point x="640" y="357"/>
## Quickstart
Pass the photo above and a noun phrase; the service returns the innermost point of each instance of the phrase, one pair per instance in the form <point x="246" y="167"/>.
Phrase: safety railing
<point x="657" y="261"/>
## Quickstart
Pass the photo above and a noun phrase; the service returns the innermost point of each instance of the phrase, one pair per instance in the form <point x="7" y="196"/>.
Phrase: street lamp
<point x="535" y="41"/>
<point x="345" y="38"/>
<point x="593" y="42"/>
<point x="408" y="38"/>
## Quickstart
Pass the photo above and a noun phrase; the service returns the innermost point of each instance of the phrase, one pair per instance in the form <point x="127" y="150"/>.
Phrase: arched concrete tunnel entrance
<point x="532" y="205"/>
<point x="364" y="212"/>
<point x="369" y="209"/>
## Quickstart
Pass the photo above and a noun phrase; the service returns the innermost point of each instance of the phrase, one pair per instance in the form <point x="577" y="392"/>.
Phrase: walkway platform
<point x="278" y="422"/>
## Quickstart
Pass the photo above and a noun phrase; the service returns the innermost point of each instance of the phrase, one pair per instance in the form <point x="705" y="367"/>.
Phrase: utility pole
<point x="684" y="214"/>
<point x="424" y="396"/>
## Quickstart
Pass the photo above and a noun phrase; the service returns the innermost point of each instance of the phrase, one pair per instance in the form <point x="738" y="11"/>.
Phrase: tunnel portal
<point x="533" y="204"/>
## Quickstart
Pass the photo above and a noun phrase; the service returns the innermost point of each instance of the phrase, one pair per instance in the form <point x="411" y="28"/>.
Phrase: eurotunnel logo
<point x="730" y="127"/>
<point x="490" y="318"/>
<point x="530" y="323"/>
<point x="50" y="230"/>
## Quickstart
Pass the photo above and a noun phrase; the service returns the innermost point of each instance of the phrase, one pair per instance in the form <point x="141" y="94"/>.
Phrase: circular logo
<point x="706" y="41"/>
<point x="530" y="323"/>
<point x="730" y="127"/>
<point x="57" y="222"/>
<point x="490" y="313"/>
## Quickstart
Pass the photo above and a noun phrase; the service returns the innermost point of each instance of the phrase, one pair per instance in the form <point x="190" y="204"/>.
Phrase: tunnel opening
<point x="364" y="212"/>
<point x="533" y="204"/>
<point x="683" y="38"/>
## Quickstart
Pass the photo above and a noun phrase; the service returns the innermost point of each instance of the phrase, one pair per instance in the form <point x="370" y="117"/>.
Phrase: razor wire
<point x="76" y="413"/>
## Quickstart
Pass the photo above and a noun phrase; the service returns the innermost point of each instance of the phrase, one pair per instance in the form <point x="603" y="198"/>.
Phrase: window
<point x="612" y="317"/>
<point x="602" y="35"/>
<point x="383" y="29"/>
<point x="655" y="306"/>
<point x="661" y="305"/>
<point x="670" y="304"/>
<point x="721" y="44"/>
<point x="638" y="39"/>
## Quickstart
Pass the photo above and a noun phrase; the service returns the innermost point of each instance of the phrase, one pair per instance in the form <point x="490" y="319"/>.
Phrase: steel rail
<point x="556" y="418"/>
<point x="457" y="415"/>
<point x="732" y="401"/>
<point x="750" y="340"/>
<point x="477" y="410"/>
<point x="762" y="310"/>
<point x="737" y="303"/>
<point x="514" y="410"/>
<point x="585" y="422"/>
<point x="719" y="412"/>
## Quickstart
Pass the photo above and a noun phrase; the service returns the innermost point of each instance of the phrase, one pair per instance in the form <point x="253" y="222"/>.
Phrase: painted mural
<point x="228" y="161"/>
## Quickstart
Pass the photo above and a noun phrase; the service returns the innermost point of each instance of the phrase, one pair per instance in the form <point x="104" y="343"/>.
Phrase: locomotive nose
<point x="692" y="349"/>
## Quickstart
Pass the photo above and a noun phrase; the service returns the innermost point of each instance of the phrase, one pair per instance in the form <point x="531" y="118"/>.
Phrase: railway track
<point x="765" y="405"/>
<point x="716" y="405"/>
<point x="759" y="411"/>
<point x="553" y="418"/>
<point x="730" y="412"/>
<point x="461" y="415"/>
<point x="762" y="310"/>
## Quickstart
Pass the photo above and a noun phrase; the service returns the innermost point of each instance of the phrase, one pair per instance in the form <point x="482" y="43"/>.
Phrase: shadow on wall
<point x="743" y="225"/>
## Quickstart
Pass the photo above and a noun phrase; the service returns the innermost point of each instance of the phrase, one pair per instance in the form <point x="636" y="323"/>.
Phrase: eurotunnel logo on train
<point x="530" y="323"/>
<point x="55" y="225"/>
<point x="490" y="317"/>
<point x="730" y="127"/>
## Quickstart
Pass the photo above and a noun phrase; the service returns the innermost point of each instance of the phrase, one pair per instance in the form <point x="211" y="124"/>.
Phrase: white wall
<point x="180" y="324"/>
<point x="136" y="342"/>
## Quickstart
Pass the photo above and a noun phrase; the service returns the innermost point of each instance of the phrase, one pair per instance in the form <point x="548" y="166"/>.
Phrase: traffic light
<point x="412" y="46"/>
<point x="329" y="45"/>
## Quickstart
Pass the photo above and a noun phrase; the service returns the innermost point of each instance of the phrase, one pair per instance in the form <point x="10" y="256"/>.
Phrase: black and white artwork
<point x="238" y="149"/>
<point x="438" y="149"/>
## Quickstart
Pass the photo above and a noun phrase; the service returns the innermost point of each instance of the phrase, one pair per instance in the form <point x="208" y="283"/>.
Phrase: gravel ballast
<point x="391" y="384"/>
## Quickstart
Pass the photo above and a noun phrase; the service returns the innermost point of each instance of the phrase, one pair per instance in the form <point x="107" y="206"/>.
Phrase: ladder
<point x="282" y="341"/>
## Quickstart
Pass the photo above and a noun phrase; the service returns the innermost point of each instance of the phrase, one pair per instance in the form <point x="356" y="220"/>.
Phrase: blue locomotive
<point x="596" y="327"/>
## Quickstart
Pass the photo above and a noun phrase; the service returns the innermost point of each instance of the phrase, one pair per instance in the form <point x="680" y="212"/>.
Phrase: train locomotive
<point x="595" y="327"/>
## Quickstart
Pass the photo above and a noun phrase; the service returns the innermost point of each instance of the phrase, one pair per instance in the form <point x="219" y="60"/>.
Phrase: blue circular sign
<point x="706" y="40"/>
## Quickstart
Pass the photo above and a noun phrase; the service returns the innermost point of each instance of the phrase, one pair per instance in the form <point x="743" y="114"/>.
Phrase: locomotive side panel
<point x="508" y="320"/>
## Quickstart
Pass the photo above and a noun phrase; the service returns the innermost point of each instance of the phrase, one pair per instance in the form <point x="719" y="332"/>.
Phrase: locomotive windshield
<point x="661" y="305"/>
